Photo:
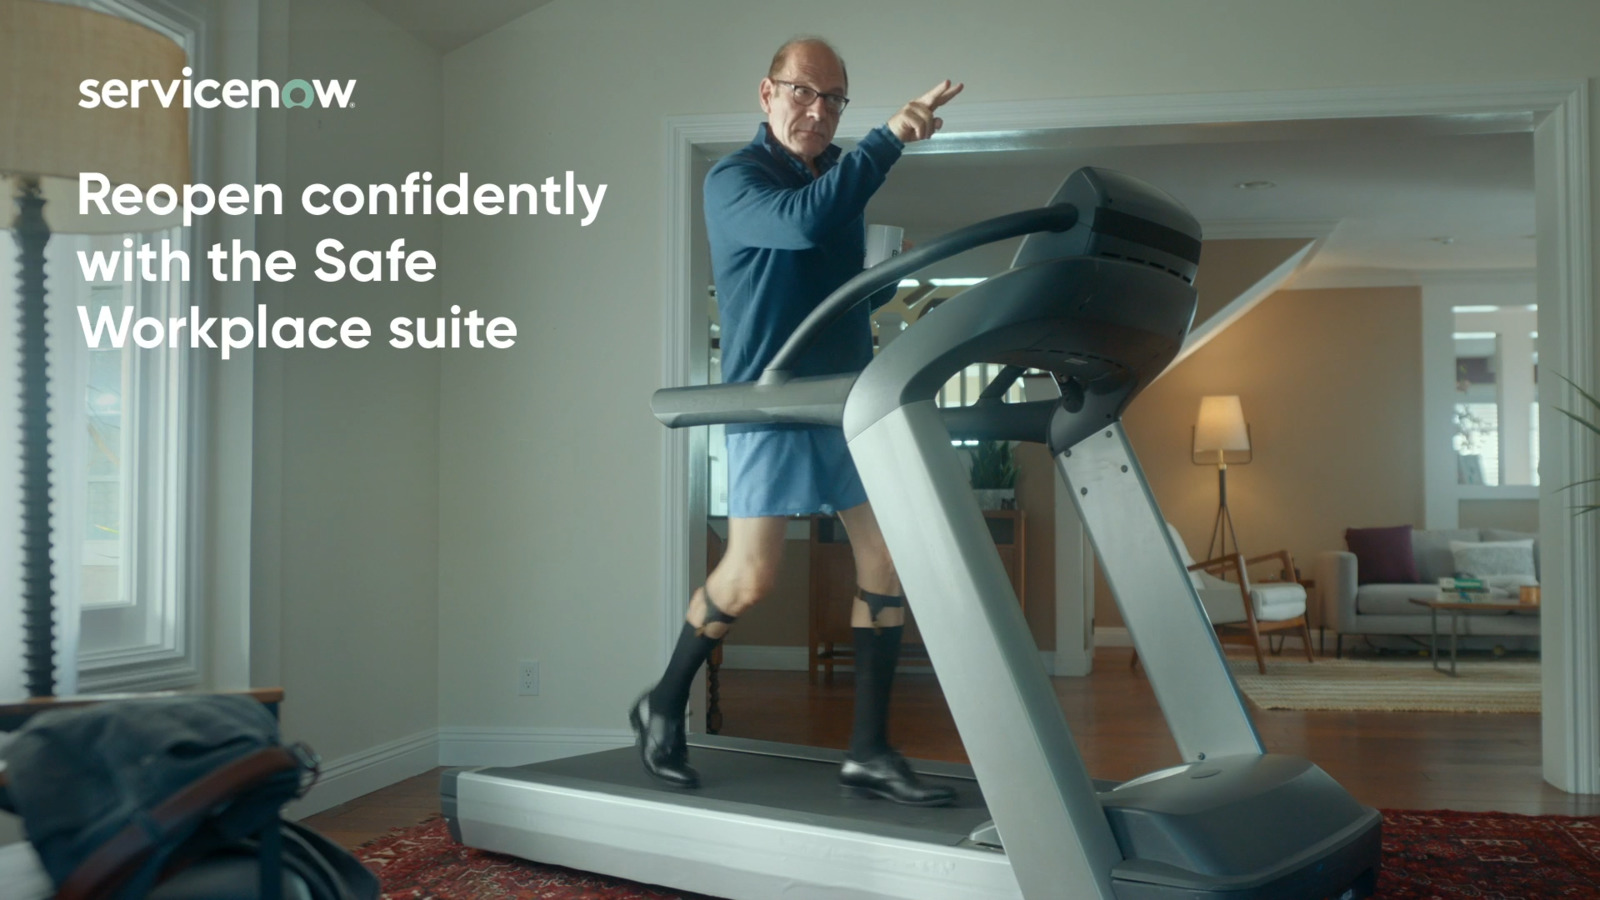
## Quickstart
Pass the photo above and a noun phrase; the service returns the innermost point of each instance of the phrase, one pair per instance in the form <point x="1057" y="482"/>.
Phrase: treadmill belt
<point x="800" y="788"/>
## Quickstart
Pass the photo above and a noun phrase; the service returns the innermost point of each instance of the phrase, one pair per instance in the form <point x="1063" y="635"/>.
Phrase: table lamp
<point x="46" y="141"/>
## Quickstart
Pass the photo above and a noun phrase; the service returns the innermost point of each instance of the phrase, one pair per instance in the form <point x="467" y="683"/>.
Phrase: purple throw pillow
<point x="1383" y="555"/>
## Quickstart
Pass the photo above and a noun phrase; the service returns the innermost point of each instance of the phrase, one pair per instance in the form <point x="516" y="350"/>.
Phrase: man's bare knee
<point x="735" y="590"/>
<point x="747" y="592"/>
<point x="875" y="572"/>
<point x="749" y="568"/>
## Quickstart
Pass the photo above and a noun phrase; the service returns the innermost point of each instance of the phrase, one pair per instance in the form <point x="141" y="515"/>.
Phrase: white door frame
<point x="1571" y="563"/>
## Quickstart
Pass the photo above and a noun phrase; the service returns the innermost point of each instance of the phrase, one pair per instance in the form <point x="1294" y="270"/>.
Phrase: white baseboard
<point x="1117" y="636"/>
<point x="357" y="774"/>
<point x="793" y="659"/>
<point x="777" y="658"/>
<point x="1112" y="636"/>
<point x="495" y="746"/>
<point x="771" y="658"/>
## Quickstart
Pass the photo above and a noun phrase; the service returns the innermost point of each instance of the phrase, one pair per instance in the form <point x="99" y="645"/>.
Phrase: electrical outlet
<point x="528" y="678"/>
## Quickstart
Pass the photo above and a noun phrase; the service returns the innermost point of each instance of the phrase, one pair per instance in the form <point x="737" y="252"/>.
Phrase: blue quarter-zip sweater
<point x="782" y="241"/>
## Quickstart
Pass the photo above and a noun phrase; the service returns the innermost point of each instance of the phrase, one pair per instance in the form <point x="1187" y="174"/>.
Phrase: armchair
<point x="1242" y="610"/>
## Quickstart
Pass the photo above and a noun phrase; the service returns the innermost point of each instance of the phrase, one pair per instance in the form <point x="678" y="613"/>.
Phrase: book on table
<point x="1470" y="590"/>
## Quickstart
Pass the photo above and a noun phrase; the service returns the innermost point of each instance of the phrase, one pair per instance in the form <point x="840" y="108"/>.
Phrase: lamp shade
<point x="46" y="51"/>
<point x="1220" y="426"/>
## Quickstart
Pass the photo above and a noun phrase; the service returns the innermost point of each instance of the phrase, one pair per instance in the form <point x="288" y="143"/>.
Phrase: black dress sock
<point x="671" y="693"/>
<point x="694" y="647"/>
<point x="877" y="654"/>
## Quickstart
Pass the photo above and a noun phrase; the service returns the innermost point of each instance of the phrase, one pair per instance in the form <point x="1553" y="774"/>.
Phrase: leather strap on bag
<point x="110" y="866"/>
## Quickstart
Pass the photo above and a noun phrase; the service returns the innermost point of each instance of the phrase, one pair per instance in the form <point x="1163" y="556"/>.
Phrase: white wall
<point x="345" y="569"/>
<point x="550" y="461"/>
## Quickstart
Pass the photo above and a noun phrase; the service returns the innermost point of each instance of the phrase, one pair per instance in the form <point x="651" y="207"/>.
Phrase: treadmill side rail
<point x="1168" y="625"/>
<point x="1011" y="724"/>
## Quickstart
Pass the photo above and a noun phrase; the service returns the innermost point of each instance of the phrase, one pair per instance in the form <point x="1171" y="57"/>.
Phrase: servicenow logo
<point x="208" y="93"/>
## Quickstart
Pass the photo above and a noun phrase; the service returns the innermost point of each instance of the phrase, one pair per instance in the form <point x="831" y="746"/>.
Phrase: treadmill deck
<point x="771" y="816"/>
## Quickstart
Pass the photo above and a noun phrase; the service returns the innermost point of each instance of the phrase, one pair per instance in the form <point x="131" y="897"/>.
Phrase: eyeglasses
<point x="805" y="96"/>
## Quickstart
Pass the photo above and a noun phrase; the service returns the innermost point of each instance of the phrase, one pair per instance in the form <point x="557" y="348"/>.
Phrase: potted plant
<point x="993" y="473"/>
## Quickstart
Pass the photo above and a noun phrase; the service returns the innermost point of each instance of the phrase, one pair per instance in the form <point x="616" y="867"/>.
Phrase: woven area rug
<point x="424" y="863"/>
<point x="1493" y="856"/>
<point x="1406" y="685"/>
<point x="1426" y="855"/>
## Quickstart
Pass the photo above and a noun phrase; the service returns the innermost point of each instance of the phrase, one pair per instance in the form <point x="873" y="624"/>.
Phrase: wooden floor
<point x="1387" y="760"/>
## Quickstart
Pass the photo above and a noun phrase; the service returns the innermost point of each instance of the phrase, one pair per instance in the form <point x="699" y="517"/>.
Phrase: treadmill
<point x="1100" y="294"/>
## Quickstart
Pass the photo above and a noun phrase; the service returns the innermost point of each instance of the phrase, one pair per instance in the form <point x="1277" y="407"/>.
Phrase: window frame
<point x="161" y="643"/>
<point x="1442" y="495"/>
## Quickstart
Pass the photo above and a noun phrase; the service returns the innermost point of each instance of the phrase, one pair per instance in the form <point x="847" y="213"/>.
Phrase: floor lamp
<point x="46" y="141"/>
<point x="1220" y="429"/>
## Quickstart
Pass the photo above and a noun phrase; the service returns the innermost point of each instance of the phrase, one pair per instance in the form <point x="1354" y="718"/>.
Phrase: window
<point x="106" y="376"/>
<point x="119" y="480"/>
<point x="123" y="479"/>
<point x="1480" y="429"/>
<point x="124" y="415"/>
<point x="1495" y="404"/>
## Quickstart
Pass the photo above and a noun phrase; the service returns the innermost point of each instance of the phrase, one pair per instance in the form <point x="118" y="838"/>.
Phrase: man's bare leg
<point x="877" y="619"/>
<point x="747" y="573"/>
<point x="875" y="572"/>
<point x="745" y="576"/>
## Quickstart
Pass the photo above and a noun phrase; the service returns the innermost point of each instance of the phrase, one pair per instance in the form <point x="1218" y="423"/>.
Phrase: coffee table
<point x="1457" y="608"/>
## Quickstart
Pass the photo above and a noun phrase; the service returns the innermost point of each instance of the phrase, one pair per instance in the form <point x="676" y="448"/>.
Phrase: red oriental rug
<point x="1434" y="855"/>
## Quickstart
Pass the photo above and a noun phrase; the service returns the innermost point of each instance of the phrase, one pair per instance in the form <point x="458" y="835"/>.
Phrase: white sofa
<point x="1352" y="608"/>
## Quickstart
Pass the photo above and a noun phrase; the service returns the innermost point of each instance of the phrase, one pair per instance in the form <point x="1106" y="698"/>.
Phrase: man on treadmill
<point x="784" y="219"/>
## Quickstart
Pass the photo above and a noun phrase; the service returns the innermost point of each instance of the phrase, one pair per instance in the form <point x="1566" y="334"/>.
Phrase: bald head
<point x="780" y="60"/>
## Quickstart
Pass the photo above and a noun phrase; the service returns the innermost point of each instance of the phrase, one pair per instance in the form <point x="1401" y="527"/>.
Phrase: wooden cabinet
<point x="833" y="586"/>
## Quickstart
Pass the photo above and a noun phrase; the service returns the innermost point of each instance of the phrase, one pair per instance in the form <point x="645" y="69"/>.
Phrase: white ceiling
<point x="446" y="26"/>
<point x="1396" y="201"/>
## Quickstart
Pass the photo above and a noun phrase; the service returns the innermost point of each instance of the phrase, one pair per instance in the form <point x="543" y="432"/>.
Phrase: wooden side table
<point x="1456" y="609"/>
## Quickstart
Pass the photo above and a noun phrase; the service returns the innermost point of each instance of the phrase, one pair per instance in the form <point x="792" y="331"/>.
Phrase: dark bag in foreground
<point x="172" y="798"/>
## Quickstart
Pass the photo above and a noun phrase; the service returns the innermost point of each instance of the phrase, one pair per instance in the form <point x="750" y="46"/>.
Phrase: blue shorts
<point x="791" y="473"/>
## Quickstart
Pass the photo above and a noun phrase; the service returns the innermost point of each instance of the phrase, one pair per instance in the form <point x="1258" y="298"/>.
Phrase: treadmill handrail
<point x="1059" y="217"/>
<point x="812" y="401"/>
<point x="820" y="401"/>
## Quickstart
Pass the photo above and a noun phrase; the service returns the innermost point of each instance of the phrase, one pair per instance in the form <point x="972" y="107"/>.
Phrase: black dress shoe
<point x="889" y="776"/>
<point x="662" y="745"/>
